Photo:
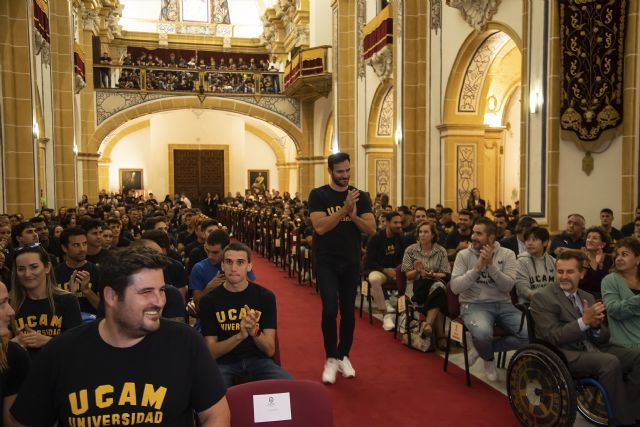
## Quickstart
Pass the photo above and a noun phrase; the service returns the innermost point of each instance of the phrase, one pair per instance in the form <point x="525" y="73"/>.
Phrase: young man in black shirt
<point x="133" y="348"/>
<point x="76" y="274"/>
<point x="95" y="253"/>
<point x="339" y="214"/>
<point x="239" y="322"/>
<point x="460" y="237"/>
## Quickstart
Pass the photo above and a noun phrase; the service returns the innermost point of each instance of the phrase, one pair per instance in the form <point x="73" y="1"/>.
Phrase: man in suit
<point x="570" y="319"/>
<point x="516" y="242"/>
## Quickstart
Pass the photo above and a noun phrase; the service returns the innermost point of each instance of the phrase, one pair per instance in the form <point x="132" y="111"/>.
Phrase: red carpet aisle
<point x="394" y="386"/>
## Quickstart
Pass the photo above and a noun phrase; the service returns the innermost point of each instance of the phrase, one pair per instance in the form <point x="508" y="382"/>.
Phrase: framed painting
<point x="131" y="179"/>
<point x="258" y="180"/>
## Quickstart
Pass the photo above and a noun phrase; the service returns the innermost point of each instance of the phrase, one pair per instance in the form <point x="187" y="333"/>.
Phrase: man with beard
<point x="460" y="237"/>
<point x="76" y="274"/>
<point x="384" y="254"/>
<point x="138" y="347"/>
<point x="339" y="214"/>
<point x="483" y="276"/>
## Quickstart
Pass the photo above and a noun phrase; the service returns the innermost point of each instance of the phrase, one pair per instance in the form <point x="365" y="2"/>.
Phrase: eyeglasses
<point x="20" y="249"/>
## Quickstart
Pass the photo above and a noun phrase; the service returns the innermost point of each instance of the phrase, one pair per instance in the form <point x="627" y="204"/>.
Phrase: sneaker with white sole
<point x="490" y="370"/>
<point x="390" y="307"/>
<point x="330" y="370"/>
<point x="388" y="322"/>
<point x="345" y="368"/>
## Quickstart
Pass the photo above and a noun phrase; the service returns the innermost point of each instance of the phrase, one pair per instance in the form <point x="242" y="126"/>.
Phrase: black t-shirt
<point x="37" y="315"/>
<point x="196" y="255"/>
<point x="98" y="258"/>
<point x="63" y="276"/>
<point x="174" y="306"/>
<point x="81" y="380"/>
<point x="221" y="311"/>
<point x="12" y="378"/>
<point x="455" y="238"/>
<point x="174" y="274"/>
<point x="343" y="242"/>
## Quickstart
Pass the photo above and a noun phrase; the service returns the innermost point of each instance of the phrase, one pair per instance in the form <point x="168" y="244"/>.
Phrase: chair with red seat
<point x="310" y="403"/>
<point x="453" y="305"/>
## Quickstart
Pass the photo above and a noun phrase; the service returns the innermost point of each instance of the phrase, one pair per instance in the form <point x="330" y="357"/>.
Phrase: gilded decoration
<point x="436" y="15"/>
<point x="385" y="120"/>
<point x="220" y="12"/>
<point x="592" y="42"/>
<point x="169" y="10"/>
<point x="383" y="176"/>
<point x="477" y="70"/>
<point x="465" y="172"/>
<point x="476" y="13"/>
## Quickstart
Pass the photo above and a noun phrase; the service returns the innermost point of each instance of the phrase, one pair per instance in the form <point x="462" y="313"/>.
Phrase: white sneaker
<point x="345" y="368"/>
<point x="490" y="370"/>
<point x="388" y="322"/>
<point x="473" y="356"/>
<point x="390" y="307"/>
<point x="330" y="371"/>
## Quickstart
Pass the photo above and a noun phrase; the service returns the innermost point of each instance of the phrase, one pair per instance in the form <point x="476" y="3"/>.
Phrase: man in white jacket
<point x="483" y="277"/>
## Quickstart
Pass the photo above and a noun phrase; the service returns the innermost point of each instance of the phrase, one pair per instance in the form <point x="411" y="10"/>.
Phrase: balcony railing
<point x="308" y="75"/>
<point x="189" y="80"/>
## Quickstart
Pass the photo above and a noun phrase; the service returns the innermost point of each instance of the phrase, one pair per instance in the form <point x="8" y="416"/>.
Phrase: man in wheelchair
<point x="570" y="319"/>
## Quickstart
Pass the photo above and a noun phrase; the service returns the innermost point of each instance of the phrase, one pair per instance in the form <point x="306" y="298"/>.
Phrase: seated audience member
<point x="95" y="252"/>
<point x="569" y="318"/>
<point x="629" y="229"/>
<point x="48" y="242"/>
<point x="432" y="217"/>
<point x="77" y="275"/>
<point x="571" y="238"/>
<point x="445" y="220"/>
<point x="195" y="250"/>
<point x="239" y="322"/>
<point x="43" y="311"/>
<point x="13" y="359"/>
<point x="517" y="242"/>
<point x="175" y="307"/>
<point x="5" y="271"/>
<point x="407" y="219"/>
<point x="500" y="218"/>
<point x="23" y="234"/>
<point x="621" y="295"/>
<point x="107" y="238"/>
<point x="208" y="273"/>
<point x="475" y="200"/>
<point x="140" y="368"/>
<point x="426" y="263"/>
<point x="460" y="237"/>
<point x="118" y="240"/>
<point x="174" y="273"/>
<point x="483" y="276"/>
<point x="384" y="254"/>
<point x="606" y="222"/>
<point x="599" y="262"/>
<point x="535" y="268"/>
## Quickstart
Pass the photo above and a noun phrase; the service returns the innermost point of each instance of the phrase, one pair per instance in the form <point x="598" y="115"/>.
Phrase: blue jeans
<point x="480" y="318"/>
<point x="254" y="367"/>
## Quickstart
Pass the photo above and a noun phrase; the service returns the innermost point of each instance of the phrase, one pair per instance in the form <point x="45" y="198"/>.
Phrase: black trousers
<point x="337" y="283"/>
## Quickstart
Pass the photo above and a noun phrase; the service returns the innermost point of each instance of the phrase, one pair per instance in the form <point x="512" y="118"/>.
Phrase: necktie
<point x="589" y="346"/>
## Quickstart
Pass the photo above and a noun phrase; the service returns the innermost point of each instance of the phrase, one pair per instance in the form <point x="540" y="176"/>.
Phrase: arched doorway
<point x="482" y="119"/>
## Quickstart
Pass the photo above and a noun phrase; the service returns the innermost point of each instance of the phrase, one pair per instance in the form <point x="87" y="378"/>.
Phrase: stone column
<point x="90" y="177"/>
<point x="87" y="116"/>
<point x="63" y="94"/>
<point x="17" y="108"/>
<point x="307" y="166"/>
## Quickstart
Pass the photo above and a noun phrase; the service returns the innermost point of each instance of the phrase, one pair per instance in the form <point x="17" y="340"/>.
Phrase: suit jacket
<point x="511" y="242"/>
<point x="556" y="321"/>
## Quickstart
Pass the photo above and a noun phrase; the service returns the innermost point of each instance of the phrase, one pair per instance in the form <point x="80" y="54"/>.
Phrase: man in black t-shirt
<point x="460" y="237"/>
<point x="76" y="274"/>
<point x="239" y="323"/>
<point x="132" y="348"/>
<point x="339" y="214"/>
<point x="95" y="253"/>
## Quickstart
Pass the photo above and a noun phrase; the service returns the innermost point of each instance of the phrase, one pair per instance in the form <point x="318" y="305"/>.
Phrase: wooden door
<point x="197" y="172"/>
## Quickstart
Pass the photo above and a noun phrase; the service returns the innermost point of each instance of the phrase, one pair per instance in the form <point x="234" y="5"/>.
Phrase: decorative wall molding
<point x="385" y="119"/>
<point x="42" y="48"/>
<point x="476" y="13"/>
<point x="382" y="62"/>
<point x="109" y="103"/>
<point x="475" y="73"/>
<point x="436" y="15"/>
<point x="465" y="173"/>
<point x="361" y="14"/>
<point x="383" y="176"/>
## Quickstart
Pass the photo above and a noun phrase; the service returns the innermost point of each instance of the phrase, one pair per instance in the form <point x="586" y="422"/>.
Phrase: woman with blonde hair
<point x="43" y="310"/>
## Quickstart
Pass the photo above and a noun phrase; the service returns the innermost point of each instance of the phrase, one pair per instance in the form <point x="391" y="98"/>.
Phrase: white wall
<point x="588" y="194"/>
<point x="511" y="177"/>
<point x="148" y="149"/>
<point x="320" y="17"/>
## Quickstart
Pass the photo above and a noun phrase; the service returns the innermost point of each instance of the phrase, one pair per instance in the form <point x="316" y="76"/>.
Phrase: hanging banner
<point x="592" y="34"/>
<point x="41" y="18"/>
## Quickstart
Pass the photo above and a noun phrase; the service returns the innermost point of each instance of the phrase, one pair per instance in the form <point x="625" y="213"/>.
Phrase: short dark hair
<point x="420" y="208"/>
<point x="125" y="262"/>
<point x="389" y="215"/>
<point x="489" y="226"/>
<point x="447" y="211"/>
<point x="70" y="232"/>
<point x="18" y="229"/>
<point x="207" y="223"/>
<point x="37" y="219"/>
<point x="87" y="223"/>
<point x="150" y="223"/>
<point x="606" y="210"/>
<point x="499" y="214"/>
<point x="568" y="254"/>
<point x="464" y="212"/>
<point x="404" y="210"/>
<point x="524" y="223"/>
<point x="336" y="158"/>
<point x="158" y="236"/>
<point x="218" y="237"/>
<point x="113" y="220"/>
<point x="237" y="246"/>
<point x="604" y="236"/>
<point x="630" y="243"/>
<point x="537" y="232"/>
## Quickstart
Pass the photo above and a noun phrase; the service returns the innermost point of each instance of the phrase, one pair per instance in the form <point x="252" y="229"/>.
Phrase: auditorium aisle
<point x="394" y="386"/>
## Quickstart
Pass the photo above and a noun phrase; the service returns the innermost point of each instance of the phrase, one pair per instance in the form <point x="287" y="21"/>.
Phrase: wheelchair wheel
<point x="540" y="388"/>
<point x="591" y="404"/>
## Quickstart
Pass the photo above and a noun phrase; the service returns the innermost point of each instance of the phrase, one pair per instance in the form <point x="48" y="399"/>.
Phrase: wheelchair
<point x="542" y="391"/>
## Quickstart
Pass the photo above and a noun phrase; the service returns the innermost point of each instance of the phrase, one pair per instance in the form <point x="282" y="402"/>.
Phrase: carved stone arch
<point x="168" y="104"/>
<point x="382" y="96"/>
